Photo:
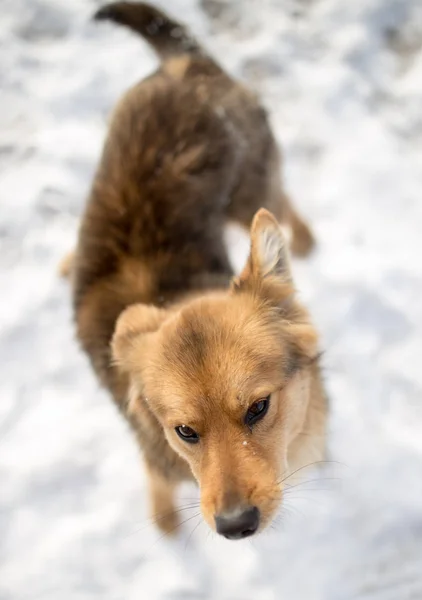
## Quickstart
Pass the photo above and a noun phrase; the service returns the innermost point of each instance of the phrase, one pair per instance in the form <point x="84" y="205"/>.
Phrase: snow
<point x="342" y="82"/>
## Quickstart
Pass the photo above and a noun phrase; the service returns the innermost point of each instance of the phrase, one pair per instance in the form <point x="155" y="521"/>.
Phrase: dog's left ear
<point x="267" y="274"/>
<point x="269" y="251"/>
<point x="269" y="257"/>
<point x="133" y="327"/>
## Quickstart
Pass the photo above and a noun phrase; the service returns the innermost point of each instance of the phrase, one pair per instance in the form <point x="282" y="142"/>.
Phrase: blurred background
<point x="343" y="84"/>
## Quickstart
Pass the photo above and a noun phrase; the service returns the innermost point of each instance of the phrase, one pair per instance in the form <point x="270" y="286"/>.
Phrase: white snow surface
<point x="343" y="83"/>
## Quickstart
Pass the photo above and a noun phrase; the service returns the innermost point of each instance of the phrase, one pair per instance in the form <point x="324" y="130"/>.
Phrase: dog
<point x="217" y="374"/>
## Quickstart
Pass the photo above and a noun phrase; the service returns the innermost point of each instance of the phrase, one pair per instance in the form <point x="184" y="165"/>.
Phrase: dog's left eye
<point x="257" y="411"/>
<point x="187" y="434"/>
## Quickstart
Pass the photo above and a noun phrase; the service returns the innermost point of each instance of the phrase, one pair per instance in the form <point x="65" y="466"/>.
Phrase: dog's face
<point x="228" y="377"/>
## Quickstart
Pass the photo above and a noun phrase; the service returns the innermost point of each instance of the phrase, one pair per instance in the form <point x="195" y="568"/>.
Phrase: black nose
<point x="238" y="526"/>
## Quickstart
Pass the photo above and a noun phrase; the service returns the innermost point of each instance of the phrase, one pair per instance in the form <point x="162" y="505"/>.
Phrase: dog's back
<point x="188" y="148"/>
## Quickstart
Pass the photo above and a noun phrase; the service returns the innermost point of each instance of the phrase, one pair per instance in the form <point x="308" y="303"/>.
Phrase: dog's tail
<point x="166" y="36"/>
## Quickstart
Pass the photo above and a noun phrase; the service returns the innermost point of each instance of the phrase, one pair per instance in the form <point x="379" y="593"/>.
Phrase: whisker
<point x="317" y="500"/>
<point x="250" y="542"/>
<point x="282" y="522"/>
<point x="210" y="531"/>
<point x="285" y="515"/>
<point x="277" y="518"/>
<point x="160" y="516"/>
<point x="286" y="495"/>
<point x="292" y="487"/>
<point x="171" y="531"/>
<point x="317" y="462"/>
<point x="293" y="510"/>
<point x="192" y="532"/>
<point x="192" y="504"/>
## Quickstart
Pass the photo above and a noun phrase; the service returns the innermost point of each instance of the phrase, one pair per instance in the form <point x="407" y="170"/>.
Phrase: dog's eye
<point x="257" y="411"/>
<point x="187" y="434"/>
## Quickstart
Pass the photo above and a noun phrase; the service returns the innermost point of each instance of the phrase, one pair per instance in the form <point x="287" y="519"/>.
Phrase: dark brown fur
<point x="187" y="150"/>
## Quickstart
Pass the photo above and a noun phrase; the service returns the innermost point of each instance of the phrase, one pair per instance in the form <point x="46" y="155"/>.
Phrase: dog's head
<point x="228" y="377"/>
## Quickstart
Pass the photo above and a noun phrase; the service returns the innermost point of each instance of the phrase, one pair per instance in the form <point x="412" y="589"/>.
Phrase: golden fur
<point x="173" y="340"/>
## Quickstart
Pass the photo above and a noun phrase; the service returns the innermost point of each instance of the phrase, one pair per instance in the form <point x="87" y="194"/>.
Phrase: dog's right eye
<point x="187" y="434"/>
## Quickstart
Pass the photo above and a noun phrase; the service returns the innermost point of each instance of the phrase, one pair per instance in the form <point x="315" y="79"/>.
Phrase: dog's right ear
<point x="134" y="327"/>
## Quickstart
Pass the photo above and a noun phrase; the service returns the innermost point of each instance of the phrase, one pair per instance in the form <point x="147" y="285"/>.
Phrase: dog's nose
<point x="239" y="524"/>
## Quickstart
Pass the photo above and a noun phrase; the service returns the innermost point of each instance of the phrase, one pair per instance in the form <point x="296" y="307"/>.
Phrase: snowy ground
<point x="343" y="83"/>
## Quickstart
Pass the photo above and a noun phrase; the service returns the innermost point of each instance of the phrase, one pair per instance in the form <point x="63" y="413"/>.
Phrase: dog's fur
<point x="169" y="332"/>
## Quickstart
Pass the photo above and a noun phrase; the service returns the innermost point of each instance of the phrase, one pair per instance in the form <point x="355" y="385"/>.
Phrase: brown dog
<point x="219" y="377"/>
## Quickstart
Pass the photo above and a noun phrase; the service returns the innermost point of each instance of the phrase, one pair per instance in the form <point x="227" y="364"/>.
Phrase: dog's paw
<point x="66" y="265"/>
<point x="169" y="524"/>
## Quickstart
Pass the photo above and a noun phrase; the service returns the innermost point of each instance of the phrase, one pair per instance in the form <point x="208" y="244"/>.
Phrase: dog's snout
<point x="239" y="524"/>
